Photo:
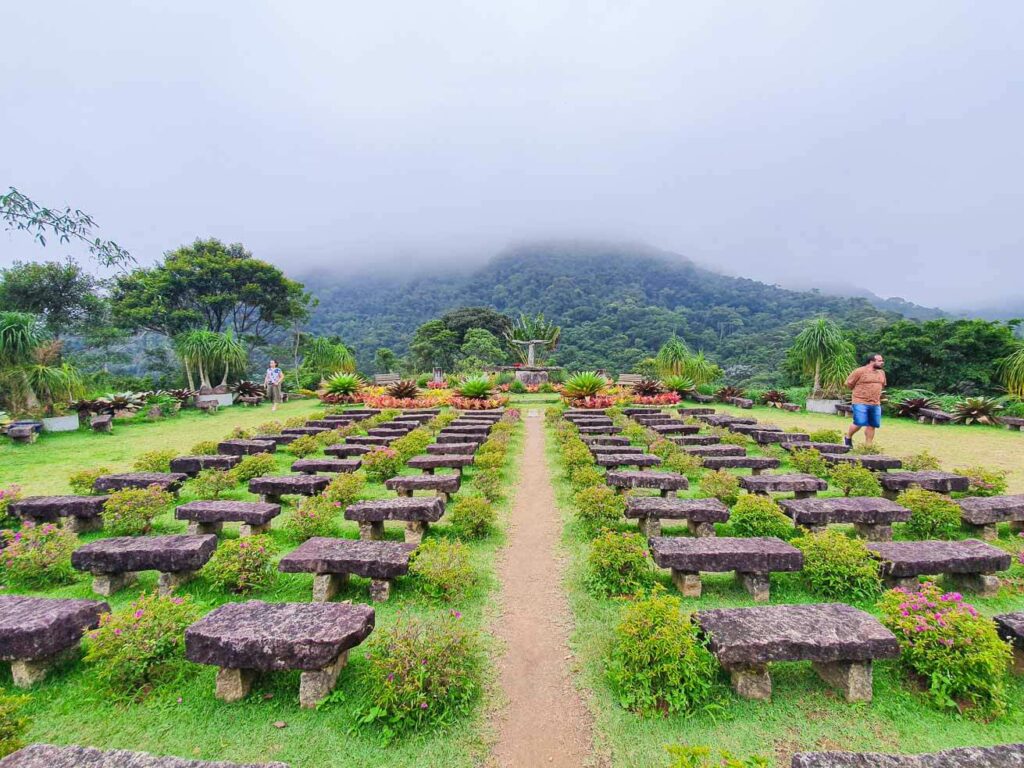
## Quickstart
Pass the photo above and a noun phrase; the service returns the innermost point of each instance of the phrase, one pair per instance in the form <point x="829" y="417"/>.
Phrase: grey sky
<point x="875" y="143"/>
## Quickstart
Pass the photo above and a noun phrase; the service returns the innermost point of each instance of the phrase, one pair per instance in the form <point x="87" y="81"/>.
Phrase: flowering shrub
<point x="257" y="465"/>
<point x="598" y="507"/>
<point x="154" y="461"/>
<point x="315" y="516"/>
<point x="984" y="482"/>
<point x="412" y="444"/>
<point x="618" y="564"/>
<point x="658" y="664"/>
<point x="586" y="477"/>
<point x="932" y="515"/>
<point x="683" y="463"/>
<point x="599" y="402"/>
<point x="204" y="448"/>
<point x="211" y="483"/>
<point x="666" y="398"/>
<point x="511" y="416"/>
<point x="472" y="404"/>
<point x="488" y="482"/>
<point x="303" y="446"/>
<point x="422" y="673"/>
<point x="920" y="462"/>
<point x="826" y="436"/>
<point x="855" y="480"/>
<point x="705" y="757"/>
<point x="576" y="454"/>
<point x="386" y="401"/>
<point x="136" y="647"/>
<point x="838" y="567"/>
<point x="810" y="462"/>
<point x="241" y="565"/>
<point x="494" y="459"/>
<point x="437" y="385"/>
<point x="472" y="516"/>
<point x="345" y="488"/>
<point x="720" y="485"/>
<point x="956" y="650"/>
<point x="7" y="495"/>
<point x="754" y="515"/>
<point x="81" y="482"/>
<point x="442" y="568"/>
<point x="381" y="463"/>
<point x="13" y="724"/>
<point x="130" y="512"/>
<point x="36" y="556"/>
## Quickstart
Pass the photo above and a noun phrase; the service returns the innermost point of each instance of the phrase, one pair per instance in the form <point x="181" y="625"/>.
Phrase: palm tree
<point x="535" y="328"/>
<point x="321" y="358"/>
<point x="823" y="352"/>
<point x="31" y="372"/>
<point x="1011" y="370"/>
<point x="701" y="370"/>
<point x="229" y="353"/>
<point x="672" y="357"/>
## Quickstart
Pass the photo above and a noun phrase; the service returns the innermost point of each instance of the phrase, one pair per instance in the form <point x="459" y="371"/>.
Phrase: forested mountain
<point x="616" y="305"/>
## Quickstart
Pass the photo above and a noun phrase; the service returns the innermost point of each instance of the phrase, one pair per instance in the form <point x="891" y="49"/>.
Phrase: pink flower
<point x="138" y="614"/>
<point x="423" y="705"/>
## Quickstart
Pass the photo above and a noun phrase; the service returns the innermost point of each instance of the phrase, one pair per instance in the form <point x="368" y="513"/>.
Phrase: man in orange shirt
<point x="867" y="383"/>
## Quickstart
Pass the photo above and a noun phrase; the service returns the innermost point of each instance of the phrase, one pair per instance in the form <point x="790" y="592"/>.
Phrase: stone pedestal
<point x="701" y="530"/>
<point x="83" y="524"/>
<point x="270" y="498"/>
<point x="380" y="590"/>
<point x="1018" y="661"/>
<point x="687" y="583"/>
<point x="983" y="584"/>
<point x="751" y="682"/>
<point x="168" y="582"/>
<point x="195" y="528"/>
<point x="874" y="532"/>
<point x="25" y="673"/>
<point x="372" y="530"/>
<point x="327" y="585"/>
<point x="851" y="678"/>
<point x="758" y="585"/>
<point x="532" y="377"/>
<point x="107" y="584"/>
<point x="414" y="531"/>
<point x="247" y="529"/>
<point x="649" y="526"/>
<point x="315" y="686"/>
<point x="910" y="583"/>
<point x="234" y="684"/>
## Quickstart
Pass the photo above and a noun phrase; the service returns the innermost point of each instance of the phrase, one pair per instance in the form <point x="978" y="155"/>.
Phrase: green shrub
<point x="855" y="480"/>
<point x="295" y="421"/>
<point x="442" y="568"/>
<point x="490" y="460"/>
<point x="257" y="465"/>
<point x="380" y="464"/>
<point x="948" y="643"/>
<point x="211" y="483"/>
<point x="422" y="673"/>
<point x="663" y="448"/>
<point x="412" y="444"/>
<point x="154" y="461"/>
<point x="838" y="567"/>
<point x="920" y="462"/>
<point x="598" y="507"/>
<point x="586" y="477"/>
<point x="141" y="645"/>
<point x="81" y="482"/>
<point x="314" y="516"/>
<point x="36" y="556"/>
<point x="932" y="515"/>
<point x="637" y="434"/>
<point x="867" y="450"/>
<point x="726" y="437"/>
<point x="658" y="664"/>
<point x="303" y="446"/>
<point x="754" y="515"/>
<point x="826" y="436"/>
<point x="472" y="516"/>
<point x="683" y="463"/>
<point x="7" y="495"/>
<point x="268" y="428"/>
<point x="705" y="757"/>
<point x="489" y="483"/>
<point x="618" y="564"/>
<point x="241" y="433"/>
<point x="241" y="565"/>
<point x="809" y="461"/>
<point x="576" y="454"/>
<point x="345" y="488"/>
<point x="984" y="482"/>
<point x="204" y="448"/>
<point x="13" y="723"/>
<point x="721" y="485"/>
<point x="130" y="512"/>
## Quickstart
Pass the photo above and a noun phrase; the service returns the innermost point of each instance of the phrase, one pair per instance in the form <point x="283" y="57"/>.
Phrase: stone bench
<point x="756" y="464"/>
<point x="594" y="421"/>
<point x="871" y="516"/>
<point x="687" y="440"/>
<point x="600" y="430"/>
<point x="742" y="402"/>
<point x="752" y="558"/>
<point x="762" y="437"/>
<point x="207" y="406"/>
<point x="467" y="429"/>
<point x="80" y="513"/>
<point x="832" y="449"/>
<point x="641" y="410"/>
<point x="347" y="450"/>
<point x="700" y="514"/>
<point x="314" y="466"/>
<point x="436" y="411"/>
<point x="374" y="441"/>
<point x="388" y="432"/>
<point x="725" y="419"/>
<point x="839" y="640"/>
<point x="445" y="486"/>
<point x="277" y="440"/>
<point x="640" y="460"/>
<point x="716" y="449"/>
<point x="242" y="639"/>
<point x="875" y="463"/>
<point x="1002" y="756"/>
<point x="447" y="449"/>
<point x="675" y="429"/>
<point x="800" y="485"/>
<point x="415" y="418"/>
<point x="649" y="420"/>
<point x="605" y="440"/>
<point x="982" y="514"/>
<point x="690" y="411"/>
<point x="1011" y="628"/>
<point x="210" y="516"/>
<point x="250" y="401"/>
<point x="416" y="513"/>
<point x="49" y="756"/>
<point x="939" y="482"/>
<point x="844" y="409"/>
<point x="969" y="564"/>
<point x="791" y="407"/>
<point x="167" y="481"/>
<point x="305" y="431"/>
<point x="193" y="465"/>
<point x="1012" y="422"/>
<point x="329" y="423"/>
<point x="332" y="561"/>
<point x="103" y="422"/>
<point x="247" y="447"/>
<point x="38" y="633"/>
<point x="932" y="416"/>
<point x="664" y="482"/>
<point x="613" y="449"/>
<point x="697" y="397"/>
<point x="115" y="562"/>
<point x="748" y="428"/>
<point x="270" y="488"/>
<point x="430" y="462"/>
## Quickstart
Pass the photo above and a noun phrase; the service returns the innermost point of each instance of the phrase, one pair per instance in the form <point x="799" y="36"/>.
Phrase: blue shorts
<point x="867" y="415"/>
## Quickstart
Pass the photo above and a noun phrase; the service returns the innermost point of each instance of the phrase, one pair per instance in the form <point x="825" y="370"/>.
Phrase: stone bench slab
<point x="277" y="440"/>
<point x="868" y="510"/>
<point x="797" y="483"/>
<point x="450" y="448"/>
<point x="49" y="756"/>
<point x="305" y="431"/>
<point x="313" y="466"/>
<point x="687" y="411"/>
<point x="124" y="554"/>
<point x="988" y="510"/>
<point x="1010" y="627"/>
<point x="447" y="484"/>
<point x="347" y="450"/>
<point x="467" y="429"/>
<point x="450" y="439"/>
<point x="905" y="559"/>
<point x="627" y="460"/>
<point x="369" y="559"/>
<point x="940" y="482"/>
<point x="661" y="481"/>
<point x="755" y="463"/>
<point x="697" y="510"/>
<point x="744" y="428"/>
<point x="693" y="440"/>
<point x="873" y="462"/>
<point x="193" y="465"/>
<point x="724" y="419"/>
<point x="716" y="450"/>
<point x="215" y="511"/>
<point x="605" y="440"/>
<point x="421" y="509"/>
<point x="1002" y="756"/>
<point x="271" y="487"/>
<point x="833" y="449"/>
<point x="430" y="462"/>
<point x="782" y="438"/>
<point x="168" y="481"/>
<point x="675" y="429"/>
<point x="246" y="447"/>
<point x="600" y="430"/>
<point x="52" y="508"/>
<point x="616" y="449"/>
<point x="719" y="554"/>
<point x="387" y="432"/>
<point x="370" y="440"/>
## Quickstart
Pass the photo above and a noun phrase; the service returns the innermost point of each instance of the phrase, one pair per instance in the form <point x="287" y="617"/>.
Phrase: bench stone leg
<point x="701" y="530"/>
<point x="757" y="471"/>
<point x="106" y="584"/>
<point x="649" y="526"/>
<point x="371" y="530"/>
<point x="380" y="590"/>
<point x="327" y="585"/>
<point x="234" y="684"/>
<point x="445" y="497"/>
<point x="989" y="532"/>
<point x="248" y="529"/>
<point x="665" y="493"/>
<point x="316" y="685"/>
<point x="1016" y="527"/>
<point x="415" y="530"/>
<point x="270" y="498"/>
<point x="910" y="583"/>
<point x="83" y="524"/>
<point x="890" y="494"/>
<point x="874" y="531"/>
<point x="804" y="494"/>
<point x="26" y="673"/>
<point x="984" y="584"/>
<point x="851" y="678"/>
<point x="1018" y="661"/>
<point x="816" y="528"/>
<point x="751" y="682"/>
<point x="196" y="528"/>
<point x="405" y="492"/>
<point x="687" y="583"/>
<point x="758" y="585"/>
<point x="171" y="580"/>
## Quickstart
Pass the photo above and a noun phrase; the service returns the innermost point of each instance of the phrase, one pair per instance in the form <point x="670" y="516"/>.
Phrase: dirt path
<point x="545" y="722"/>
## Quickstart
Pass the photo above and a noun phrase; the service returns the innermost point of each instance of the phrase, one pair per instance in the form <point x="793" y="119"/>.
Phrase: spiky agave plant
<point x="404" y="390"/>
<point x="977" y="410"/>
<point x="475" y="388"/>
<point x="648" y="388"/>
<point x="681" y="385"/>
<point x="584" y="384"/>
<point x="343" y="384"/>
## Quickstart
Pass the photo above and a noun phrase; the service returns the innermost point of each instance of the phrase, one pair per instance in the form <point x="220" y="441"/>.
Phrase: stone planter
<point x="222" y="400"/>
<point x="67" y="423"/>
<point x="815" y="405"/>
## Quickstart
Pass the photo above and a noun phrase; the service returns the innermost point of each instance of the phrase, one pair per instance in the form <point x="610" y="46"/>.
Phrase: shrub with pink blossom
<point x="381" y="463"/>
<point x="36" y="556"/>
<point x="241" y="565"/>
<point x="7" y="495"/>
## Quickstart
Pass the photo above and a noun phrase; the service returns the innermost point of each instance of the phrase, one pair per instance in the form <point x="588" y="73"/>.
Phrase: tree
<point x="672" y="357"/>
<point x="464" y="319"/>
<point x="434" y="346"/>
<point x="700" y="370"/>
<point x="322" y="358"/>
<point x="209" y="286"/>
<point x="60" y="292"/>
<point x="208" y="354"/>
<point x="384" y="360"/>
<point x="822" y="352"/>
<point x="483" y="345"/>
<point x="31" y="371"/>
<point x="1011" y="370"/>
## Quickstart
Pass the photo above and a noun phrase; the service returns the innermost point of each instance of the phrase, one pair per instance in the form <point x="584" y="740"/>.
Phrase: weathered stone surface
<point x="874" y="463"/>
<point x="1012" y="423"/>
<point x="268" y="637"/>
<point x="313" y="466"/>
<point x="48" y="756"/>
<point x="900" y="559"/>
<point x="823" y="632"/>
<point x="762" y="437"/>
<point x="276" y="439"/>
<point x="35" y="628"/>
<point x="833" y="449"/>
<point x="411" y="483"/>
<point x="724" y="419"/>
<point x="719" y="553"/>
<point x="792" y="483"/>
<point x="626" y="460"/>
<point x="746" y="429"/>
<point x="347" y="450"/>
<point x="430" y="462"/>
<point x="424" y="508"/>
<point x="941" y="482"/>
<point x="370" y="440"/>
<point x="1002" y="756"/>
<point x="697" y="510"/>
<point x="685" y="412"/>
<point x="987" y="510"/>
<point x="616" y="449"/>
<point x="144" y="553"/>
<point x="52" y="508"/>
<point x="599" y="430"/>
<point x="417" y="418"/>
<point x="648" y="419"/>
<point x="742" y="402"/>
<point x="168" y="481"/>
<point x="1011" y="628"/>
<point x="281" y="485"/>
<point x="605" y="440"/>
<point x="852" y="509"/>
<point x="467" y="429"/>
<point x="304" y="431"/>
<point x="934" y="416"/>
<point x="455" y="438"/>
<point x="369" y="559"/>
<point x="246" y="447"/>
<point x="193" y="465"/>
<point x="756" y="463"/>
<point x="677" y="428"/>
<point x="694" y="440"/>
<point x="330" y="422"/>
<point x="641" y="410"/>
<point x="452" y="448"/>
<point x="387" y="432"/>
<point x="716" y="450"/>
<point x="662" y="481"/>
<point x="590" y="421"/>
<point x="223" y="511"/>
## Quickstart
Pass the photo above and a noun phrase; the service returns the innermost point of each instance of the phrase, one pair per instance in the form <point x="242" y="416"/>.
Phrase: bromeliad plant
<point x="343" y="387"/>
<point x="475" y="388"/>
<point x="648" y="388"/>
<point x="681" y="385"/>
<point x="727" y="393"/>
<point x="977" y="410"/>
<point x="406" y="389"/>
<point x="584" y="390"/>
<point x="249" y="389"/>
<point x="773" y="398"/>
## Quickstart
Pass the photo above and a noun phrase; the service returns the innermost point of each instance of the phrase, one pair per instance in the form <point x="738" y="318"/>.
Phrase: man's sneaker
<point x="848" y="441"/>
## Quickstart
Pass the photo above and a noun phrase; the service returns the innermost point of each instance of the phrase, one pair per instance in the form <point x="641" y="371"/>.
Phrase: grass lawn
<point x="804" y="714"/>
<point x="182" y="717"/>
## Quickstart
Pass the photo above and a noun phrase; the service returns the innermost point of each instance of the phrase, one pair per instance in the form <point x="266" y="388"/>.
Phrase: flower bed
<point x="478" y="404"/>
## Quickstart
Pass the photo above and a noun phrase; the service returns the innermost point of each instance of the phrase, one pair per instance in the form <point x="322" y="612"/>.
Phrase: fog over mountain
<point x="874" y="145"/>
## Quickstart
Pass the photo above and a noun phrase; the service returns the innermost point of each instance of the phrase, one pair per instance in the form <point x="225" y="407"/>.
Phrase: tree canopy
<point x="61" y="293"/>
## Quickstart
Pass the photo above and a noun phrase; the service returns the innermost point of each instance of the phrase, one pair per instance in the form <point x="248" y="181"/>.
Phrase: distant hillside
<point x="616" y="305"/>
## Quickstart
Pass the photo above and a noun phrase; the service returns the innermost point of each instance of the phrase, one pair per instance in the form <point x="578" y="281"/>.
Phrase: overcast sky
<point x="876" y="144"/>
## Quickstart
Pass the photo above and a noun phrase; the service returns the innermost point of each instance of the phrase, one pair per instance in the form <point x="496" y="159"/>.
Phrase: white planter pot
<point x="822" y="406"/>
<point x="222" y="400"/>
<point x="61" y="423"/>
